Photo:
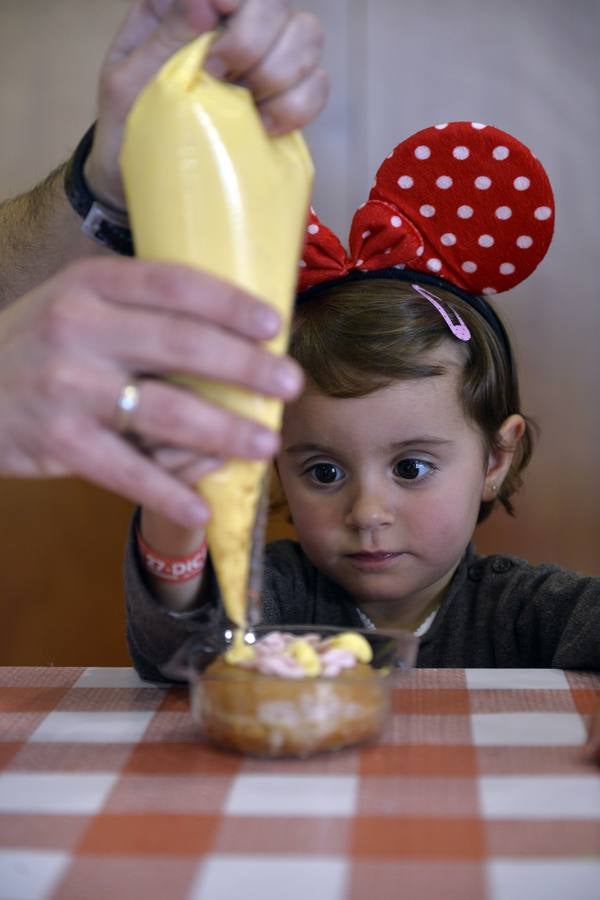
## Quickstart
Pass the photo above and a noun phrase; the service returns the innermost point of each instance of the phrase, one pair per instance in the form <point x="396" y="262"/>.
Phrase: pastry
<point x="293" y="696"/>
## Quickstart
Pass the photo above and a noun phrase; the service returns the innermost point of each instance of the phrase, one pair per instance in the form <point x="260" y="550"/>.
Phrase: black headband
<point x="410" y="275"/>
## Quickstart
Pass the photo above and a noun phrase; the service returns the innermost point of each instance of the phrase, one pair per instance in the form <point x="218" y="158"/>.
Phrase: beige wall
<point x="50" y="53"/>
<point x="530" y="67"/>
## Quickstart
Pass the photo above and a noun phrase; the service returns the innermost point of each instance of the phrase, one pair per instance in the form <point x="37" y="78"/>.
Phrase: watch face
<point x="98" y="225"/>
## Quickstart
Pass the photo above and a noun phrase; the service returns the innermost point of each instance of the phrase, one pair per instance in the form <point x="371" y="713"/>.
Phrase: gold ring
<point x="127" y="403"/>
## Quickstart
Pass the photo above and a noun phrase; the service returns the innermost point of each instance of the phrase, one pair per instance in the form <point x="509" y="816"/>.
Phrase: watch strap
<point x="104" y="224"/>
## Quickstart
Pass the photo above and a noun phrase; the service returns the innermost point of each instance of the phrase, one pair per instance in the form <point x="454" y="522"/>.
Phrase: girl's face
<point x="384" y="490"/>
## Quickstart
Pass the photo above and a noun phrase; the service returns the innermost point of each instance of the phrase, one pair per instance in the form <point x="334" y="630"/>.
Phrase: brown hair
<point x="357" y="337"/>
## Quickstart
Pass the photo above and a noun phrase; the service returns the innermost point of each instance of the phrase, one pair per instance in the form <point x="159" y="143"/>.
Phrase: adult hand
<point x="265" y="46"/>
<point x="68" y="348"/>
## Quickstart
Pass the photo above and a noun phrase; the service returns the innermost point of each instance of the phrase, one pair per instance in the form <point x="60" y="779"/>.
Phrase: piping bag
<point x="207" y="186"/>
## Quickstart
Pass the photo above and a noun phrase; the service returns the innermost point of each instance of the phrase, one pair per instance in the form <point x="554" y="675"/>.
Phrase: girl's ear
<point x="509" y="434"/>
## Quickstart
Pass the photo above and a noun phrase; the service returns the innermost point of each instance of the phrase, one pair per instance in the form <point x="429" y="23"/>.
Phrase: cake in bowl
<point x="298" y="690"/>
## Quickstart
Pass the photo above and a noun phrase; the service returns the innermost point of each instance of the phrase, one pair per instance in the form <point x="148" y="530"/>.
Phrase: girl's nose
<point x="370" y="510"/>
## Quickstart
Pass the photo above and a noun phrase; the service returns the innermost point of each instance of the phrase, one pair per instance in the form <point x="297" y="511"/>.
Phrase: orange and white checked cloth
<point x="476" y="792"/>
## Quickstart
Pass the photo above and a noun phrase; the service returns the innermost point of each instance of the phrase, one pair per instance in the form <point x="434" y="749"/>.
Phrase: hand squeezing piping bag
<point x="207" y="186"/>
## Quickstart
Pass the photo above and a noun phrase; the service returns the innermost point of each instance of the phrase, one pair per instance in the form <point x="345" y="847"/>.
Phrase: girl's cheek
<point x="427" y="510"/>
<point x="311" y="514"/>
<point x="450" y="513"/>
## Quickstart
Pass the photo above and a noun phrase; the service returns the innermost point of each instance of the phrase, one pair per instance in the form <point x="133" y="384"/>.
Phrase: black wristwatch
<point x="100" y="222"/>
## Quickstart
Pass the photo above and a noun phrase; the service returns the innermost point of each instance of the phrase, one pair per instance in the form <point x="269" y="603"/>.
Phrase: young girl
<point x="409" y="431"/>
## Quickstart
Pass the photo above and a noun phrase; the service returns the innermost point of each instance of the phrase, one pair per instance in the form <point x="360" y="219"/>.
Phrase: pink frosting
<point x="271" y="657"/>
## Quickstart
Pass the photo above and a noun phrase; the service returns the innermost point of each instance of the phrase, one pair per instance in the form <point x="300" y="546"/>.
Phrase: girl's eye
<point x="412" y="469"/>
<point x="325" y="473"/>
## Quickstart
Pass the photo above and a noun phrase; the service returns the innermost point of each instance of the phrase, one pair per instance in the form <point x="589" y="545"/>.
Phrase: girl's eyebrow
<point x="307" y="448"/>
<point x="421" y="440"/>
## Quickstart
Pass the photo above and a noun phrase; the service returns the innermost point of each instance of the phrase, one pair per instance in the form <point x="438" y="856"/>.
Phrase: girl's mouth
<point x="377" y="559"/>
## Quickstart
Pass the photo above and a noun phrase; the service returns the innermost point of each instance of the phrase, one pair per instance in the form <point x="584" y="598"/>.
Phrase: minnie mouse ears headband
<point x="463" y="206"/>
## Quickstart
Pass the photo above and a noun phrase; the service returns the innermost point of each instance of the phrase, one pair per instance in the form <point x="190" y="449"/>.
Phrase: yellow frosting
<point x="306" y="655"/>
<point x="355" y="643"/>
<point x="240" y="651"/>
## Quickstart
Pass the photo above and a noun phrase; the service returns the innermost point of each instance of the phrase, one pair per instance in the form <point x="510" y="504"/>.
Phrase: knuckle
<point x="309" y="98"/>
<point x="181" y="342"/>
<point x="237" y="435"/>
<point x="114" y="87"/>
<point x="61" y="439"/>
<point x="223" y="434"/>
<point x="244" y="314"/>
<point x="257" y="369"/>
<point x="220" y="302"/>
<point x="227" y="303"/>
<point x="253" y="368"/>
<point x="57" y="321"/>
<point x="169" y="416"/>
<point x="172" y="458"/>
<point x="227" y="357"/>
<point x="317" y="89"/>
<point x="310" y="27"/>
<point x="168" y="280"/>
<point x="193" y="473"/>
<point x="56" y="379"/>
<point x="242" y="52"/>
<point x="265" y="369"/>
<point x="134" y="469"/>
<point x="306" y="64"/>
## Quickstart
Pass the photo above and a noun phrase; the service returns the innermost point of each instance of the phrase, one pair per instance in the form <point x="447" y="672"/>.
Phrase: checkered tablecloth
<point x="476" y="792"/>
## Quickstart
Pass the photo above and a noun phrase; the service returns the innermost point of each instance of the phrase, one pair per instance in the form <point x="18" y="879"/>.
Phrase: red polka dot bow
<point x="463" y="201"/>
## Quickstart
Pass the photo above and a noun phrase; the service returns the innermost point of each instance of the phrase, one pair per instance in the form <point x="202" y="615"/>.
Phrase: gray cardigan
<point x="499" y="612"/>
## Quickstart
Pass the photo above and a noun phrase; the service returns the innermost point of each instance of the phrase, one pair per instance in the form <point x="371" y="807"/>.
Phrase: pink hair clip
<point x="459" y="331"/>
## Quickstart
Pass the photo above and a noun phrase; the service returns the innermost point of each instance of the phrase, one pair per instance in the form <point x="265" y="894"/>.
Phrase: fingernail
<point x="195" y="515"/>
<point x="215" y="66"/>
<point x="267" y="320"/>
<point x="288" y="378"/>
<point x="265" y="442"/>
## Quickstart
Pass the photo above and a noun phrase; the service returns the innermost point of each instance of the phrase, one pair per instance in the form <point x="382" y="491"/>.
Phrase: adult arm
<point x="39" y="233"/>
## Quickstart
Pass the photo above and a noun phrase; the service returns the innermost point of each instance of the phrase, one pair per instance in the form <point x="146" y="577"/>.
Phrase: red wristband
<point x="171" y="568"/>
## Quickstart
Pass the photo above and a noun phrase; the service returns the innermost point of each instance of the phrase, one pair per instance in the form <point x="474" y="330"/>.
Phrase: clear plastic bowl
<point x="267" y="715"/>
